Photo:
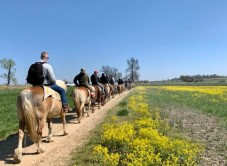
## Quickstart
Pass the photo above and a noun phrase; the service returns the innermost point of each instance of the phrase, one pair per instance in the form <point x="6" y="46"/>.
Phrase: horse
<point x="129" y="86"/>
<point x="107" y="90"/>
<point x="99" y="98"/>
<point x="81" y="97"/>
<point x="33" y="110"/>
<point x="120" y="88"/>
<point x="112" y="90"/>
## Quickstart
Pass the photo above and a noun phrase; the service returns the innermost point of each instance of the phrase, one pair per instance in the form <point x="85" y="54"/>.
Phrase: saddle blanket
<point x="48" y="92"/>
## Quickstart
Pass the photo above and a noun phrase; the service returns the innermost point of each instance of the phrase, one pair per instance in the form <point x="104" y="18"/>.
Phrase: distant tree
<point x="111" y="72"/>
<point x="132" y="70"/>
<point x="198" y="78"/>
<point x="9" y="66"/>
<point x="195" y="78"/>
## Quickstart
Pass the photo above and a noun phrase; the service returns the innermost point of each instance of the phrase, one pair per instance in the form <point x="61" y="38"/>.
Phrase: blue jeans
<point x="62" y="93"/>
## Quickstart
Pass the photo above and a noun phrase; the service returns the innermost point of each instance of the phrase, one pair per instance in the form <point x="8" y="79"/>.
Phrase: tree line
<point x="132" y="71"/>
<point x="198" y="77"/>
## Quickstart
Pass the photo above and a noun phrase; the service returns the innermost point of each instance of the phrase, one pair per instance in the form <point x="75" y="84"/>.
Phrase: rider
<point x="112" y="80"/>
<point x="129" y="81"/>
<point x="104" y="79"/>
<point x="120" y="81"/>
<point x="126" y="83"/>
<point x="96" y="81"/>
<point x="50" y="80"/>
<point x="83" y="80"/>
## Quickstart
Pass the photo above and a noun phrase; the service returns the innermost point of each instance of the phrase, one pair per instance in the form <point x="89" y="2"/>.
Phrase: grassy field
<point x="163" y="115"/>
<point x="135" y="133"/>
<point x="207" y="99"/>
<point x="8" y="113"/>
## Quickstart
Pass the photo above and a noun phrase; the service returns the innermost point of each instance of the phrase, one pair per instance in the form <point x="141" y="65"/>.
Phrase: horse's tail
<point x="29" y="114"/>
<point x="76" y="99"/>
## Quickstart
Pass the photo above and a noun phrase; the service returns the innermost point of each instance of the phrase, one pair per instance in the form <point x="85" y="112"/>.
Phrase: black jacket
<point x="95" y="79"/>
<point x="104" y="80"/>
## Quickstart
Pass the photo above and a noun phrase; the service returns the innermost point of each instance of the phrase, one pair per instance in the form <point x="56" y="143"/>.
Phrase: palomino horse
<point x="99" y="98"/>
<point x="129" y="86"/>
<point x="112" y="90"/>
<point x="120" y="88"/>
<point x="107" y="90"/>
<point x="33" y="110"/>
<point x="81" y="97"/>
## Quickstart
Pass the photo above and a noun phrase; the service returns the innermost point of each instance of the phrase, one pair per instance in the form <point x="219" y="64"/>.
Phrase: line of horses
<point x="33" y="110"/>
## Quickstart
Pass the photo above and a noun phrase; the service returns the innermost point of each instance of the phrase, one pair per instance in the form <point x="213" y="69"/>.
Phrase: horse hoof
<point x="18" y="156"/>
<point x="66" y="133"/>
<point x="41" y="150"/>
<point x="17" y="159"/>
<point x="50" y="139"/>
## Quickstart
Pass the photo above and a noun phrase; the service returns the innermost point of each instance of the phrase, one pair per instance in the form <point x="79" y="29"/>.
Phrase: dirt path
<point x="58" y="152"/>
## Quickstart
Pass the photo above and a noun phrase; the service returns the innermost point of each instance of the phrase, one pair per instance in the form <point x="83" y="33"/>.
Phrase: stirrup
<point x="65" y="108"/>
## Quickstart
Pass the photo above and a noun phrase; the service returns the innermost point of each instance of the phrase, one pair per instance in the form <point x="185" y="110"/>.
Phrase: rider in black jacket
<point x="96" y="80"/>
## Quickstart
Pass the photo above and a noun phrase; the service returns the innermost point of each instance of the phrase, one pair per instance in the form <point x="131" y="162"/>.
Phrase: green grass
<point x="84" y="156"/>
<point x="164" y="98"/>
<point x="123" y="112"/>
<point x="8" y="111"/>
<point x="8" y="115"/>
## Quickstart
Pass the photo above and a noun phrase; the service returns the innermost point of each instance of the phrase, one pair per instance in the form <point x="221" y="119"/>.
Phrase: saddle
<point x="48" y="92"/>
<point x="91" y="94"/>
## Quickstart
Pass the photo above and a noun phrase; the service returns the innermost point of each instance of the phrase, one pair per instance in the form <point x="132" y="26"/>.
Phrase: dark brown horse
<point x="33" y="111"/>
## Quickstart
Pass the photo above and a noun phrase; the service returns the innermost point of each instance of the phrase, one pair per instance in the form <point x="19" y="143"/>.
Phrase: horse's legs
<point x="19" y="150"/>
<point x="88" y="109"/>
<point x="50" y="135"/>
<point x="40" y="148"/>
<point x="63" y="114"/>
<point x="99" y="102"/>
<point x="80" y="112"/>
<point x="93" y="106"/>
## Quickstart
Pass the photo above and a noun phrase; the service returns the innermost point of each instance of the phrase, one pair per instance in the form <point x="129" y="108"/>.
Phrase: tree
<point x="9" y="66"/>
<point x="132" y="70"/>
<point x="111" y="72"/>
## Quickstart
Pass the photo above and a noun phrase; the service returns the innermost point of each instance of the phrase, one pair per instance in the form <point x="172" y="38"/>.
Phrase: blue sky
<point x="168" y="37"/>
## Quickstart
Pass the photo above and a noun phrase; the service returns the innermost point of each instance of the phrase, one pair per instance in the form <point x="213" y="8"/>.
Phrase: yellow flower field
<point x="142" y="142"/>
<point x="213" y="90"/>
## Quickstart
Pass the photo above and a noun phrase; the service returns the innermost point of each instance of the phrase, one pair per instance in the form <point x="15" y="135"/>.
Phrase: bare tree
<point x="111" y="72"/>
<point x="132" y="70"/>
<point x="9" y="66"/>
